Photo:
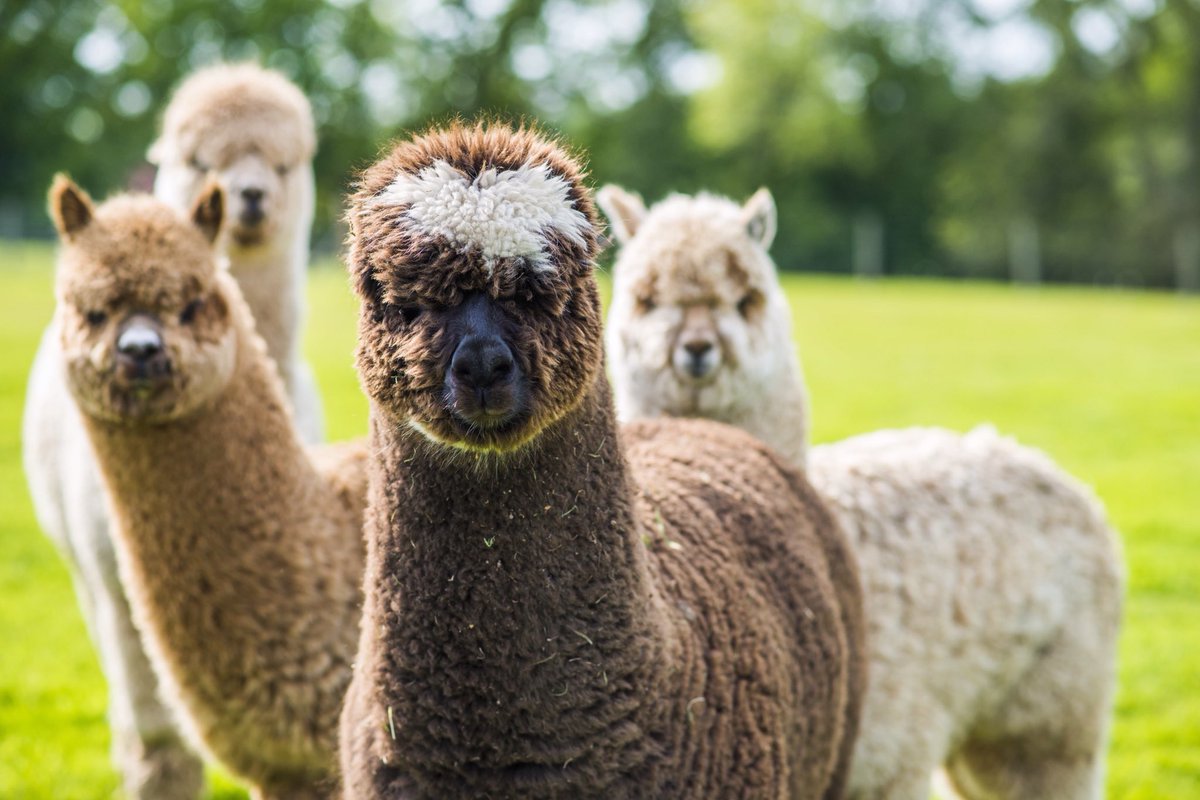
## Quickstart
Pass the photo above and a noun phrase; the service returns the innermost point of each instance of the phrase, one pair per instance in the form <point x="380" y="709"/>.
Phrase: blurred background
<point x="1008" y="141"/>
<point x="1054" y="140"/>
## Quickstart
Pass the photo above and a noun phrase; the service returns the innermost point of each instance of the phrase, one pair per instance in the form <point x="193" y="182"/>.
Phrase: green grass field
<point x="1107" y="382"/>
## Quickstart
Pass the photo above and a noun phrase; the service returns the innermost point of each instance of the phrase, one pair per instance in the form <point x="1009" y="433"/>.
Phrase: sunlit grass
<point x="1107" y="382"/>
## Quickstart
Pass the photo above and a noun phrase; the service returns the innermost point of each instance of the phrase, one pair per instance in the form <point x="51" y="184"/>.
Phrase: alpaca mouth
<point x="140" y="398"/>
<point x="248" y="235"/>
<point x="697" y="375"/>
<point x="482" y="415"/>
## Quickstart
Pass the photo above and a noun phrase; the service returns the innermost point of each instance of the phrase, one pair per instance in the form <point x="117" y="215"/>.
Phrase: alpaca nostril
<point x="139" y="342"/>
<point x="698" y="348"/>
<point x="482" y="362"/>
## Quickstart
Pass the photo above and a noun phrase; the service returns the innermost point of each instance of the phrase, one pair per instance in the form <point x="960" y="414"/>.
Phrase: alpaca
<point x="992" y="582"/>
<point x="550" y="613"/>
<point x="701" y="303"/>
<point x="242" y="552"/>
<point x="255" y="130"/>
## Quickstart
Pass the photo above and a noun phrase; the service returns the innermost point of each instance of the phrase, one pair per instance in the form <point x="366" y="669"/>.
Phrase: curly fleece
<point x="554" y="615"/>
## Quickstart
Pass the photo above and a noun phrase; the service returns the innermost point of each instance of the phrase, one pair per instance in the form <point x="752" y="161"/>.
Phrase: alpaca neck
<point x="778" y="414"/>
<point x="522" y="595"/>
<point x="270" y="277"/>
<point x="223" y="527"/>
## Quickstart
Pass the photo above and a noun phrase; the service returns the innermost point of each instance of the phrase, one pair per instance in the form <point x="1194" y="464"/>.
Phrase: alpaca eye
<point x="95" y="318"/>
<point x="749" y="304"/>
<point x="282" y="170"/>
<point x="189" y="313"/>
<point x="197" y="164"/>
<point x="645" y="304"/>
<point x="408" y="314"/>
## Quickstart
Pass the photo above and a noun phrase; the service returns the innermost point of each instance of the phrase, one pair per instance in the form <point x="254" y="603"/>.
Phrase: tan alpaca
<point x="252" y="129"/>
<point x="557" y="609"/>
<point x="242" y="552"/>
<point x="992" y="581"/>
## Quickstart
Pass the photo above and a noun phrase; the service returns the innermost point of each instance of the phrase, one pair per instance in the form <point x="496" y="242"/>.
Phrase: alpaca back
<point x="980" y="560"/>
<point x="753" y="557"/>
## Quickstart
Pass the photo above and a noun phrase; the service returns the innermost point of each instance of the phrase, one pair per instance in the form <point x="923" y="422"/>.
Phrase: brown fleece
<point x="561" y="610"/>
<point x="241" y="550"/>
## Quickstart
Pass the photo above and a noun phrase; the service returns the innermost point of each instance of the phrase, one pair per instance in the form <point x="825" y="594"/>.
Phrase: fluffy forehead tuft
<point x="694" y="245"/>
<point x="137" y="247"/>
<point x="502" y="213"/>
<point x="229" y="109"/>
<point x="492" y="196"/>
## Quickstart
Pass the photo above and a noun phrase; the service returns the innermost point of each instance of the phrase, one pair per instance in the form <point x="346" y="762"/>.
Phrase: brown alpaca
<point x="550" y="614"/>
<point x="242" y="553"/>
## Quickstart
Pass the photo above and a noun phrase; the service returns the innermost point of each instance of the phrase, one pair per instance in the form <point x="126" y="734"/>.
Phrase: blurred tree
<point x="957" y="137"/>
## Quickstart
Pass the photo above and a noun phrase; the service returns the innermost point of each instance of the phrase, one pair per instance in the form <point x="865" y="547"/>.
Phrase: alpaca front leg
<point x="148" y="750"/>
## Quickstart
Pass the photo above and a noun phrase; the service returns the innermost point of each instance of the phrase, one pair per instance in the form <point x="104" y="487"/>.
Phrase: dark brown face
<point x="472" y="253"/>
<point x="480" y="371"/>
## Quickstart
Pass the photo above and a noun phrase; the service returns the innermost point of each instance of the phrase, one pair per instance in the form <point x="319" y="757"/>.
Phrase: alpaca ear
<point x="758" y="215"/>
<point x="624" y="209"/>
<point x="209" y="210"/>
<point x="70" y="207"/>
<point x="157" y="153"/>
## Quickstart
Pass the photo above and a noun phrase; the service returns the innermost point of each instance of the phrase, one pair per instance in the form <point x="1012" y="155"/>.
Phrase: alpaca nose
<point x="482" y="362"/>
<point x="139" y="342"/>
<point x="252" y="210"/>
<point x="697" y="358"/>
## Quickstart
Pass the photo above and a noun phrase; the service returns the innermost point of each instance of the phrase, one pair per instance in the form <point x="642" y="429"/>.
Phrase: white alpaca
<point x="993" y="583"/>
<point x="254" y="130"/>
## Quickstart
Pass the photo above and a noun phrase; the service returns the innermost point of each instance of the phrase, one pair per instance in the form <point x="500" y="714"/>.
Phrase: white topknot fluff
<point x="501" y="213"/>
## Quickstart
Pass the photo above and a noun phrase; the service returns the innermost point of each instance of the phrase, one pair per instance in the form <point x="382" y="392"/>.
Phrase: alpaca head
<point x="472" y="252"/>
<point x="143" y="305"/>
<point x="697" y="314"/>
<point x="253" y="130"/>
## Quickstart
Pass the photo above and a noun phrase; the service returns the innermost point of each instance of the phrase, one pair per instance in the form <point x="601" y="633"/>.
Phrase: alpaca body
<point x="992" y="581"/>
<point x="555" y="608"/>
<point x="64" y="480"/>
<point x="241" y="551"/>
<point x="992" y="597"/>
<point x="584" y="654"/>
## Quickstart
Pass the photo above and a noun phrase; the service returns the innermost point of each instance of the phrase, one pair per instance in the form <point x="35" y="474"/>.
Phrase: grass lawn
<point x="1107" y="382"/>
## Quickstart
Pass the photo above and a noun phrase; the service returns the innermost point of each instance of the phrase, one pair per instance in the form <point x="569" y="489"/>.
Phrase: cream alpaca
<point x="992" y="582"/>
<point x="242" y="553"/>
<point x="255" y="131"/>
<point x="252" y="129"/>
<point x="710" y="339"/>
<point x="550" y="614"/>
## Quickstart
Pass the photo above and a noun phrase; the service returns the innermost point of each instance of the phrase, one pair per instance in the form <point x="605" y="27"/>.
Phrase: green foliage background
<point x="1086" y="132"/>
